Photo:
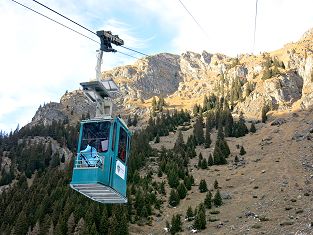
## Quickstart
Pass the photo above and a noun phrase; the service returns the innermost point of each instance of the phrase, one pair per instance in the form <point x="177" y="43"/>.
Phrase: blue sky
<point x="40" y="60"/>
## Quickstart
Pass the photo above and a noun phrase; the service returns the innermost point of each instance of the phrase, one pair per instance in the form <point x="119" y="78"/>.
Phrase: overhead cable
<point x="127" y="48"/>
<point x="54" y="20"/>
<point x="135" y="51"/>
<point x="194" y="19"/>
<point x="64" y="17"/>
<point x="123" y="53"/>
<point x="83" y="26"/>
<point x="255" y="18"/>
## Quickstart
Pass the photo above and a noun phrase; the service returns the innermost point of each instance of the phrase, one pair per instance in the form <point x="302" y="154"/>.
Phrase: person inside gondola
<point x="90" y="156"/>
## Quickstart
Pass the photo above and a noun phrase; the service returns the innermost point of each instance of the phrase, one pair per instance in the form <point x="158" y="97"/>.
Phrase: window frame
<point x="125" y="145"/>
<point x="97" y="139"/>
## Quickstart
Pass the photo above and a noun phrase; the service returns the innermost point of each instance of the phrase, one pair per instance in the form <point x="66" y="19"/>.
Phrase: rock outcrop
<point x="48" y="113"/>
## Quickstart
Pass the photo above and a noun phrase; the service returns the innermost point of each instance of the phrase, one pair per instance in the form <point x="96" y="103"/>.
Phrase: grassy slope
<point x="275" y="168"/>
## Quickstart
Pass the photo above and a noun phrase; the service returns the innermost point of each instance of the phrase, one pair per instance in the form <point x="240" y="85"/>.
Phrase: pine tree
<point x="70" y="224"/>
<point x="217" y="199"/>
<point x="160" y="104"/>
<point x="48" y="154"/>
<point x="51" y="229"/>
<point x="210" y="160"/>
<point x="200" y="160"/>
<point x="89" y="217"/>
<point x="242" y="128"/>
<point x="223" y="146"/>
<point x="144" y="212"/>
<point x="203" y="186"/>
<point x="236" y="159"/>
<point x="242" y="151"/>
<point x="205" y="103"/>
<point x="223" y="160"/>
<point x="192" y="179"/>
<point x="204" y="164"/>
<point x="200" y="156"/>
<point x="252" y="128"/>
<point x="182" y="191"/>
<point x="195" y="109"/>
<point x="153" y="103"/>
<point x="210" y="120"/>
<point x="55" y="161"/>
<point x="21" y="225"/>
<point x="123" y="226"/>
<point x="174" y="198"/>
<point x="162" y="188"/>
<point x="200" y="221"/>
<point x="157" y="139"/>
<point x="212" y="102"/>
<point x="208" y="200"/>
<point x="215" y="184"/>
<point x="217" y="155"/>
<point x="198" y="131"/>
<point x="58" y="229"/>
<point x="93" y="230"/>
<point x="139" y="201"/>
<point x="179" y="144"/>
<point x="46" y="225"/>
<point x="173" y="179"/>
<point x="135" y="120"/>
<point x="36" y="229"/>
<point x="160" y="173"/>
<point x="192" y="152"/>
<point x="189" y="214"/>
<point x="264" y="111"/>
<point x="63" y="158"/>
<point x="190" y="143"/>
<point x="129" y="121"/>
<point x="208" y="141"/>
<point x="176" y="224"/>
<point x="118" y="221"/>
<point x="229" y="122"/>
<point x="220" y="133"/>
<point x="187" y="182"/>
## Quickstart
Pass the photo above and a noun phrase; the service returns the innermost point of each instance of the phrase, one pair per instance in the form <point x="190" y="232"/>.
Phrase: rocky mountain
<point x="282" y="79"/>
<point x="72" y="106"/>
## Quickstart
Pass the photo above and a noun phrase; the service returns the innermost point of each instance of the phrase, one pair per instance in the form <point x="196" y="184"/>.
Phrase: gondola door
<point x="119" y="163"/>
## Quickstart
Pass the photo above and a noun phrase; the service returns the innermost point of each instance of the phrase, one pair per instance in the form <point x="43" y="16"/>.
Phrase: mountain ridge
<point x="281" y="79"/>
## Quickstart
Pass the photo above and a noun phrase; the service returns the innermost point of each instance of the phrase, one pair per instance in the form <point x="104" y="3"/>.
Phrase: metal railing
<point x="90" y="163"/>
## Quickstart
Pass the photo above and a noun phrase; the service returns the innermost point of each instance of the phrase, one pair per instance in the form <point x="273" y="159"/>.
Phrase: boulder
<point x="284" y="88"/>
<point x="278" y="122"/>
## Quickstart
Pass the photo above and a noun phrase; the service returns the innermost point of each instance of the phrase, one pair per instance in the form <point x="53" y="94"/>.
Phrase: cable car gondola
<point x="100" y="167"/>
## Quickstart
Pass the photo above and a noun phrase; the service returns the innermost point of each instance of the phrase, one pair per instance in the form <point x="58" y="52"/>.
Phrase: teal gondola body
<point x="100" y="167"/>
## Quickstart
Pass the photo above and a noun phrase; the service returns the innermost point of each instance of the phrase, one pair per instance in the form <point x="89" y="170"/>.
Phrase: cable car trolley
<point x="100" y="167"/>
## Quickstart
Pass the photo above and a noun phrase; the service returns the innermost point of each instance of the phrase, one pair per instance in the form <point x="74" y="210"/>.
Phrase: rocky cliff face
<point x="49" y="112"/>
<point x="148" y="77"/>
<point x="281" y="79"/>
<point x="72" y="107"/>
